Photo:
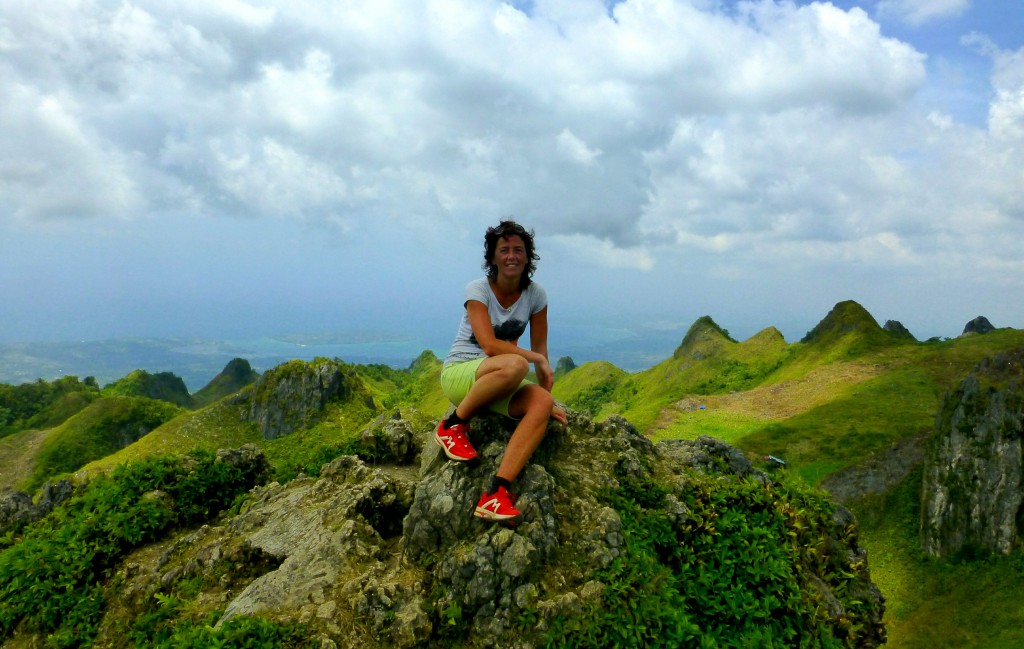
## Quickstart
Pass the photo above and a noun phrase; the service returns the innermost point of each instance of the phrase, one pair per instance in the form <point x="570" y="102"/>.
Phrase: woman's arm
<point x="539" y="344"/>
<point x="483" y="331"/>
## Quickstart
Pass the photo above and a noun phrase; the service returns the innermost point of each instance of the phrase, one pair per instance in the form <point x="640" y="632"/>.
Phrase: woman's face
<point x="510" y="256"/>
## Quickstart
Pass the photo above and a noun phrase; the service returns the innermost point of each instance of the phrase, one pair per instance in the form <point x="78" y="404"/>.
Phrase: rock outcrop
<point x="973" y="484"/>
<point x="879" y="473"/>
<point x="17" y="507"/>
<point x="294" y="395"/>
<point x="896" y="329"/>
<point x="979" y="325"/>
<point x="164" y="386"/>
<point x="391" y="555"/>
<point x="564" y="366"/>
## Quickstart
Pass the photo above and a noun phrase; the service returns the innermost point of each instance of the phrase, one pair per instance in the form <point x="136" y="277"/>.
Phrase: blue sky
<point x="232" y="168"/>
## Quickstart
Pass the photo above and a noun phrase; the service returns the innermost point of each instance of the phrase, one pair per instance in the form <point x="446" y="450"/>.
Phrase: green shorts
<point x="458" y="378"/>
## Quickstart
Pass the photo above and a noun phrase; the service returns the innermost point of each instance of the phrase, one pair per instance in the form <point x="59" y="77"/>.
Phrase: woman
<point x="486" y="368"/>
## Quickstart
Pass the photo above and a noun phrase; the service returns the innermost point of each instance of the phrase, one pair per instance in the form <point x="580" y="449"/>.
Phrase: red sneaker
<point x="497" y="506"/>
<point x="454" y="442"/>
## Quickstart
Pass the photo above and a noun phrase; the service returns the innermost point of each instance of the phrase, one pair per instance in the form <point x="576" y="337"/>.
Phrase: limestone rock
<point x="293" y="395"/>
<point x="973" y="468"/>
<point x="879" y="473"/>
<point x="17" y="507"/>
<point x="897" y="330"/>
<point x="979" y="325"/>
<point x="564" y="366"/>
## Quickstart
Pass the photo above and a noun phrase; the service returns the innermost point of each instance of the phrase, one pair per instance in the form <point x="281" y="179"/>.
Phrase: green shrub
<point x="41" y="403"/>
<point x="50" y="579"/>
<point x="162" y="628"/>
<point x="718" y="575"/>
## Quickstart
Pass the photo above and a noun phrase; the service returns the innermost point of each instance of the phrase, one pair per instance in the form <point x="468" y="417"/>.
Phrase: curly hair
<point x="503" y="230"/>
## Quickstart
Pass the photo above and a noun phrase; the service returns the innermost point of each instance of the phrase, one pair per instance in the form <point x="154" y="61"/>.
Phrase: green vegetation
<point x="52" y="576"/>
<point x="589" y="388"/>
<point x="236" y="375"/>
<point x="860" y="420"/>
<point x="935" y="604"/>
<point x="165" y="628"/>
<point x="306" y="450"/>
<point x="718" y="576"/>
<point x="418" y="387"/>
<point x="164" y="386"/>
<point x="218" y="426"/>
<point x="707" y="362"/>
<point x="43" y="404"/>
<point x="106" y="425"/>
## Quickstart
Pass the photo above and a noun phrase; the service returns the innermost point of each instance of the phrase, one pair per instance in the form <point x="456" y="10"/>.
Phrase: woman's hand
<point x="558" y="414"/>
<point x="545" y="375"/>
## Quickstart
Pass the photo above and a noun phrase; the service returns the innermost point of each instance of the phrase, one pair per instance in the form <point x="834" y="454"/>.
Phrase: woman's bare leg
<point x="532" y="406"/>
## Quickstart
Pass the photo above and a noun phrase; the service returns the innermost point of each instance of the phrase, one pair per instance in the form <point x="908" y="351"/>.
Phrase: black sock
<point x="499" y="482"/>
<point x="452" y="420"/>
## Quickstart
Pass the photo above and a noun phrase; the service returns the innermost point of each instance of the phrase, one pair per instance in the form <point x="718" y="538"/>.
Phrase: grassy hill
<point x="100" y="429"/>
<point x="236" y="375"/>
<point x="164" y="386"/>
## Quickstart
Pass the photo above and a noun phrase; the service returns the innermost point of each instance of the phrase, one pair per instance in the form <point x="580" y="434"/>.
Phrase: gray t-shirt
<point x="509" y="324"/>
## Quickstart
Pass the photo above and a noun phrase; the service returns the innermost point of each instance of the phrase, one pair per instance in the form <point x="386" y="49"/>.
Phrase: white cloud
<point x="576" y="149"/>
<point x="917" y="12"/>
<point x="53" y="165"/>
<point x="594" y="252"/>
<point x="1006" y="113"/>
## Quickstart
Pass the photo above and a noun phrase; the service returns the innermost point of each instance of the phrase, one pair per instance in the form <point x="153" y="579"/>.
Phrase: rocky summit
<point x="622" y="541"/>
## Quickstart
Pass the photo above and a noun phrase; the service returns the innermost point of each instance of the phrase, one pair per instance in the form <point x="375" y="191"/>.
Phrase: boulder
<point x="979" y="325"/>
<point x="17" y="507"/>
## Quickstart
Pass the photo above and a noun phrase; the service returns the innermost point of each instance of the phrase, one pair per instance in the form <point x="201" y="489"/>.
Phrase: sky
<point x="242" y="168"/>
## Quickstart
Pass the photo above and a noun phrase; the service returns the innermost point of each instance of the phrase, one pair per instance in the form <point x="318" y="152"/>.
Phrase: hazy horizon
<point x="197" y="359"/>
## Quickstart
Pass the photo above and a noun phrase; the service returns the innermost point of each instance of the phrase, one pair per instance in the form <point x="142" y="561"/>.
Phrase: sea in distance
<point x="198" y="360"/>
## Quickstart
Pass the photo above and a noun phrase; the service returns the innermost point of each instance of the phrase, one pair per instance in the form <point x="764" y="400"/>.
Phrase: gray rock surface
<point x="972" y="490"/>
<point x="896" y="328"/>
<point x="293" y="395"/>
<point x="979" y="325"/>
<point x="17" y="507"/>
<point x="879" y="473"/>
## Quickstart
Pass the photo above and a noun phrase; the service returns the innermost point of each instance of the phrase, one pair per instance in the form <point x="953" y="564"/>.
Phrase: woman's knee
<point x="535" y="399"/>
<point x="512" y="367"/>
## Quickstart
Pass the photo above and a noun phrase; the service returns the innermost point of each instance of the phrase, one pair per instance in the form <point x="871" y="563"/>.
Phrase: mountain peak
<point x="845" y="318"/>
<point x="237" y="374"/>
<point x="703" y="340"/>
